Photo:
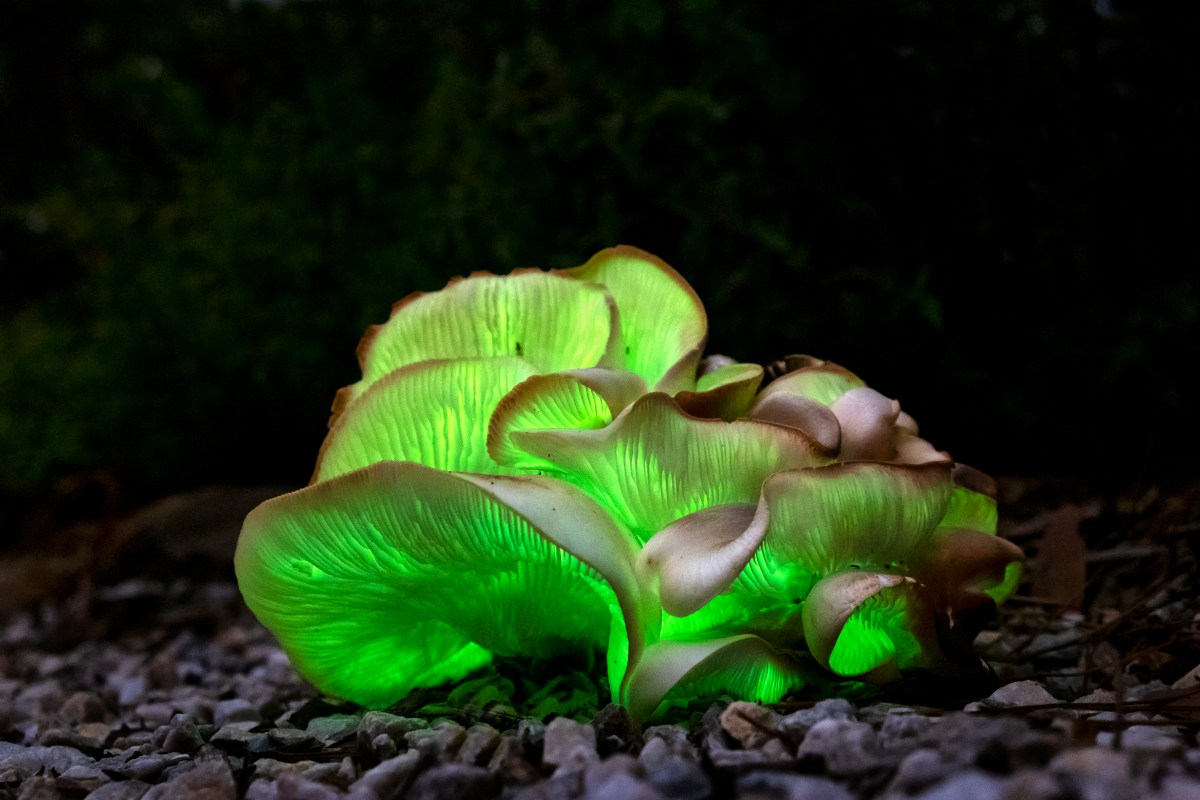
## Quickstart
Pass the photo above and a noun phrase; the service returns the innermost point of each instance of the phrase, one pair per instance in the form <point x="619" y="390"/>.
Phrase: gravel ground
<point x="168" y="687"/>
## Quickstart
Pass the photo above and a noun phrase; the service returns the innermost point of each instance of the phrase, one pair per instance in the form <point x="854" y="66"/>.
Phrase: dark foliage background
<point x="987" y="209"/>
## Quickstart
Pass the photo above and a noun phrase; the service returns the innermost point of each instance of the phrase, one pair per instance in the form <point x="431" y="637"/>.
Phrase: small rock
<point x="272" y="768"/>
<point x="1015" y="695"/>
<point x="481" y="741"/>
<point x="676" y="776"/>
<point x="846" y="747"/>
<point x="1033" y="784"/>
<point x="334" y="728"/>
<point x="374" y="723"/>
<point x="120" y="790"/>
<point x="1095" y="773"/>
<point x="340" y="774"/>
<point x="232" y="738"/>
<point x="290" y="739"/>
<point x="70" y="738"/>
<point x="384" y="747"/>
<point x="182" y="736"/>
<point x="18" y="763"/>
<point x="902" y="732"/>
<point x="795" y="725"/>
<point x="209" y="780"/>
<point x="623" y="786"/>
<point x="750" y="724"/>
<point x="974" y="784"/>
<point x="773" y="753"/>
<point x="1144" y="738"/>
<point x="291" y="786"/>
<point x="155" y="713"/>
<point x="461" y="781"/>
<point x="82" y="778"/>
<point x="132" y="691"/>
<point x="598" y="772"/>
<point x="82" y="707"/>
<point x="919" y="770"/>
<point x="569" y="744"/>
<point x="614" y="727"/>
<point x="149" y="767"/>
<point x="236" y="709"/>
<point x="509" y="764"/>
<point x="785" y="786"/>
<point x="389" y="778"/>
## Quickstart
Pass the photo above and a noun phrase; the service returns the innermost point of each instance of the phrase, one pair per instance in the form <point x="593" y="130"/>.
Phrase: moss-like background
<point x="987" y="209"/>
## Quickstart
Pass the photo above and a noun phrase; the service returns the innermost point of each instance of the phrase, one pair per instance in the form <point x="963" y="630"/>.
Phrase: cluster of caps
<point x="544" y="461"/>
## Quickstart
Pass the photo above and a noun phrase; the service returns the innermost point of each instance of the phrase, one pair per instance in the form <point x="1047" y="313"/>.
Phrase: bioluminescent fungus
<point x="542" y="462"/>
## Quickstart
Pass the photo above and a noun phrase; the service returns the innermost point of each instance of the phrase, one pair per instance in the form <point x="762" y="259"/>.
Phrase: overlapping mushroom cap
<point x="541" y="462"/>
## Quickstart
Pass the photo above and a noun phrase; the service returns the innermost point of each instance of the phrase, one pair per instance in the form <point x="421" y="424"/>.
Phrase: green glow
<point x="551" y="322"/>
<point x="530" y="466"/>
<point x="971" y="510"/>
<point x="864" y="515"/>
<point x="662" y="321"/>
<point x="865" y="644"/>
<point x="434" y="413"/>
<point x="414" y="577"/>
<point x="544" y="402"/>
<point x="654" y="464"/>
<point x="1007" y="587"/>
<point x="824" y="384"/>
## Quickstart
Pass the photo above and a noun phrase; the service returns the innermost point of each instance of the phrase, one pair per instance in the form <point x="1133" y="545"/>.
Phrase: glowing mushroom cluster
<point x="541" y="461"/>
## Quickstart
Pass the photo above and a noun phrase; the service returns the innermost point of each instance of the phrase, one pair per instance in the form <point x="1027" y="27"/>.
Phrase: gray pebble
<point x="461" y="781"/>
<point x="1095" y="773"/>
<point x="132" y="690"/>
<point x="388" y="778"/>
<point x="120" y="790"/>
<point x="785" y="786"/>
<point x="678" y="777"/>
<point x="622" y="786"/>
<point x="333" y="728"/>
<point x="531" y="733"/>
<point x="17" y="762"/>
<point x="155" y="713"/>
<point x="294" y="787"/>
<point x="374" y="723"/>
<point x="900" y="732"/>
<point x="675" y="737"/>
<point x="384" y="747"/>
<point x="83" y="778"/>
<point x="481" y="741"/>
<point x="181" y="736"/>
<point x="797" y="724"/>
<point x="920" y="769"/>
<point x="39" y="698"/>
<point x="773" y="753"/>
<point x="975" y="784"/>
<point x="599" y="772"/>
<point x="290" y="739"/>
<point x="232" y="738"/>
<point x="569" y="744"/>
<point x="208" y="780"/>
<point x="340" y="774"/>
<point x="846" y="747"/>
<point x="236" y="709"/>
<point x="273" y="768"/>
<point x="1014" y="695"/>
<point x="1033" y="784"/>
<point x="1145" y="739"/>
<point x="149" y="767"/>
<point x="1178" y="787"/>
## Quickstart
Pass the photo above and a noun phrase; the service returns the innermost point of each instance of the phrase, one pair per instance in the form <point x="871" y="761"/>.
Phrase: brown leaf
<point x="1059" y="573"/>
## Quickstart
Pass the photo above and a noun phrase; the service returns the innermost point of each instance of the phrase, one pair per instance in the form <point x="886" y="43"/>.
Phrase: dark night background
<point x="986" y="209"/>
